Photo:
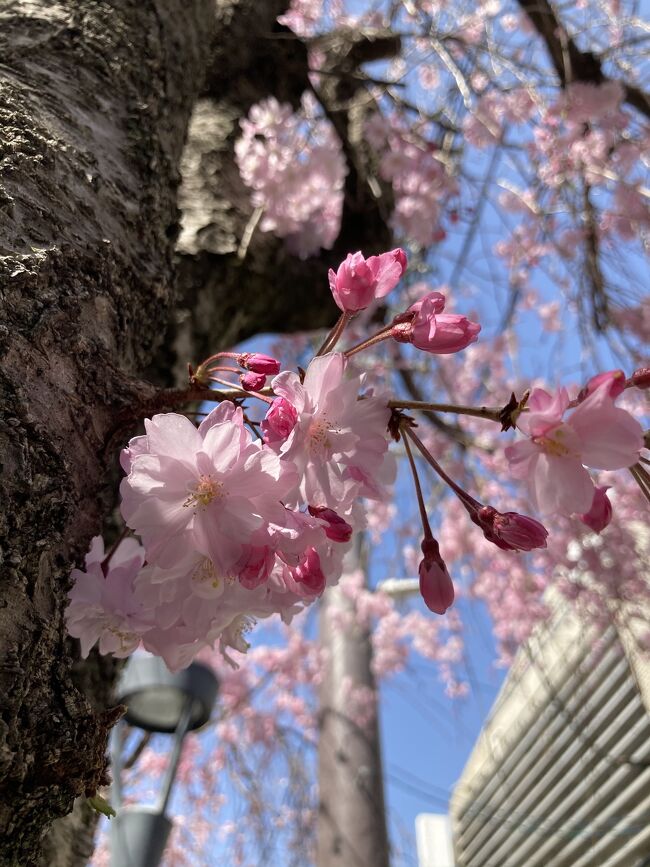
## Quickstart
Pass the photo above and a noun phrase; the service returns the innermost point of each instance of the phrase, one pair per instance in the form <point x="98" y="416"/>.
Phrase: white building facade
<point x="560" y="775"/>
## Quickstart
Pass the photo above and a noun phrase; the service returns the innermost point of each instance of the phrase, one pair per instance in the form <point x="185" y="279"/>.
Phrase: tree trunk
<point x="94" y="101"/>
<point x="352" y="828"/>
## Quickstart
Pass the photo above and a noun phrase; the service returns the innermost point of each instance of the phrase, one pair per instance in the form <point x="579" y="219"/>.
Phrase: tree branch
<point x="569" y="62"/>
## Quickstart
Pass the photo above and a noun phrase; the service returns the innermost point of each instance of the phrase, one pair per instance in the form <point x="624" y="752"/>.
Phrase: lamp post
<point x="157" y="701"/>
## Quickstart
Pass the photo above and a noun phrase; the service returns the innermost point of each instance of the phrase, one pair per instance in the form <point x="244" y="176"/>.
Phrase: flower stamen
<point x="207" y="490"/>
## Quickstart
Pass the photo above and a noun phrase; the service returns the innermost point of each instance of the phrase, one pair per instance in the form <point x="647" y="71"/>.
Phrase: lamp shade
<point x="155" y="698"/>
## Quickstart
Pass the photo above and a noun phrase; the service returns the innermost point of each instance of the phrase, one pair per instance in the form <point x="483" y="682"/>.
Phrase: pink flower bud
<point x="436" y="586"/>
<point x="279" y="421"/>
<point x="428" y="328"/>
<point x="615" y="380"/>
<point x="510" y="530"/>
<point x="358" y="280"/>
<point x="309" y="573"/>
<point x="252" y="381"/>
<point x="434" y="303"/>
<point x="338" y="530"/>
<point x="259" y="363"/>
<point x="444" y="334"/>
<point x="641" y="377"/>
<point x="600" y="513"/>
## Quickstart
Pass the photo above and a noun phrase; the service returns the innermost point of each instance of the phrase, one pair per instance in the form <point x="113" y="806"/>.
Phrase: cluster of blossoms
<point x="421" y="181"/>
<point x="241" y="518"/>
<point x="233" y="527"/>
<point x="294" y="166"/>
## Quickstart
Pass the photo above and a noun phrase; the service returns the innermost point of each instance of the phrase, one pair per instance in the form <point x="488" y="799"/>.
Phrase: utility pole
<point x="352" y="828"/>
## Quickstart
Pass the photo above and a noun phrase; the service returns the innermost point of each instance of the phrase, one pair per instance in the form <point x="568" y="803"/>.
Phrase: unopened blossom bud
<point x="600" y="513"/>
<point x="358" y="280"/>
<point x="279" y="421"/>
<point x="309" y="573"/>
<point x="252" y="381"/>
<point x="615" y="380"/>
<point x="436" y="586"/>
<point x="428" y="328"/>
<point x="450" y="333"/>
<point x="510" y="530"/>
<point x="434" y="303"/>
<point x="641" y="377"/>
<point x="337" y="529"/>
<point x="259" y="363"/>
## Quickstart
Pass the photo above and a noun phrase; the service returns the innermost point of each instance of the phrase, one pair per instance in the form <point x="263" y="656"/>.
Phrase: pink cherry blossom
<point x="510" y="530"/>
<point x="207" y="489"/>
<point x="252" y="381"/>
<point x="191" y="604"/>
<point x="309" y="573"/>
<point x="300" y="199"/>
<point x="615" y="380"/>
<point x="102" y="605"/>
<point x="358" y="281"/>
<point x="597" y="434"/>
<point x="255" y="565"/>
<point x="339" y="443"/>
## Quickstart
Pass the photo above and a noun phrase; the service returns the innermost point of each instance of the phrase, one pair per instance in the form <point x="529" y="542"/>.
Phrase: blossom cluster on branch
<point x="243" y="517"/>
<point x="293" y="164"/>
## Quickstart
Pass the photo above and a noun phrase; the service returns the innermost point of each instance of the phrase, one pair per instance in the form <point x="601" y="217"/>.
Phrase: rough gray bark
<point x="94" y="103"/>
<point x="352" y="830"/>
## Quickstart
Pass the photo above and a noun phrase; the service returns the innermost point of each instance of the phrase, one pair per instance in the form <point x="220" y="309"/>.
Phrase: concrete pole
<point x="352" y="828"/>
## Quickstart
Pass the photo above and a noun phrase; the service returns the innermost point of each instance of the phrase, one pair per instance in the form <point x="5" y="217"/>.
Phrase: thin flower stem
<point x="486" y="412"/>
<point x="641" y="477"/>
<point x="384" y="334"/>
<point x="469" y="502"/>
<point x="418" y="490"/>
<point x="220" y="381"/>
<point x="114" y="546"/>
<point x="219" y="355"/>
<point x="225" y="368"/>
<point x="335" y="334"/>
<point x="253" y="426"/>
<point x="242" y="391"/>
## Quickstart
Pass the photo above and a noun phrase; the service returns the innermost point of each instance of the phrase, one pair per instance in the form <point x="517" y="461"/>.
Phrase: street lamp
<point x="157" y="701"/>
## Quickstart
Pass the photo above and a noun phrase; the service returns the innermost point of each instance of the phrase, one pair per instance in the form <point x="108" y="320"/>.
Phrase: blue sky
<point x="427" y="737"/>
